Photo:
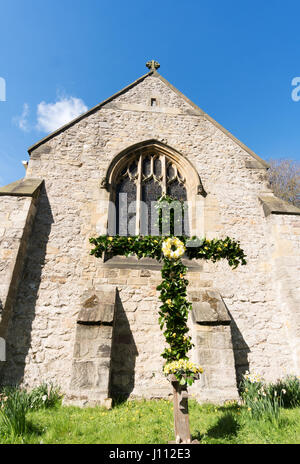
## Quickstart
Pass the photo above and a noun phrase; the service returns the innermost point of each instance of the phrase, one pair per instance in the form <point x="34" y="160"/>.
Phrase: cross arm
<point x="151" y="247"/>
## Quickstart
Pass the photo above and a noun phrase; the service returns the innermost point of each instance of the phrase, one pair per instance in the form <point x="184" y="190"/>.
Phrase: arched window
<point x="139" y="177"/>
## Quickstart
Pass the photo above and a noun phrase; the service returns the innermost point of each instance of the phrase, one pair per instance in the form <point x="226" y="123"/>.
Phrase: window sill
<point x="122" y="262"/>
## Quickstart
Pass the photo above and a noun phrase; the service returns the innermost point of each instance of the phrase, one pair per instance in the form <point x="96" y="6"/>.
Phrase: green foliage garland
<point x="150" y="246"/>
<point x="174" y="311"/>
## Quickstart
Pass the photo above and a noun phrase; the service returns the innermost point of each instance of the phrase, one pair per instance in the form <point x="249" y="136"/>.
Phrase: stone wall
<point x="284" y="234"/>
<point x="73" y="208"/>
<point x="16" y="217"/>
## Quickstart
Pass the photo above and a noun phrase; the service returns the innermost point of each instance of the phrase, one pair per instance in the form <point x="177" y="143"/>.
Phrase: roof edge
<point x="87" y="113"/>
<point x="213" y="121"/>
<point x="174" y="89"/>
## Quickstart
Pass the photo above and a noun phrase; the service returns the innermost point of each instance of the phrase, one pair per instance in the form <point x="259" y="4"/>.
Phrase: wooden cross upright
<point x="181" y="412"/>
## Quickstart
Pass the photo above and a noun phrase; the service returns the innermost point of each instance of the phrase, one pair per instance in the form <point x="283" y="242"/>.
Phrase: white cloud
<point x="52" y="116"/>
<point x="22" y="121"/>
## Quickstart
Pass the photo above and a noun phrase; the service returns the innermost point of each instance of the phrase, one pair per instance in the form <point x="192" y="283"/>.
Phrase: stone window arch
<point x="144" y="172"/>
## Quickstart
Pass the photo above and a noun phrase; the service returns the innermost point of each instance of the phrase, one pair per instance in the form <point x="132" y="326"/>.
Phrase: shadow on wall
<point x="20" y="326"/>
<point x="240" y="351"/>
<point x="124" y="353"/>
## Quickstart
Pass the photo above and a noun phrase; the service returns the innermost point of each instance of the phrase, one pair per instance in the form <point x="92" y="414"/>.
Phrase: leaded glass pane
<point x="126" y="207"/>
<point x="178" y="192"/>
<point x="147" y="166"/>
<point x="157" y="167"/>
<point x="170" y="171"/>
<point x="151" y="192"/>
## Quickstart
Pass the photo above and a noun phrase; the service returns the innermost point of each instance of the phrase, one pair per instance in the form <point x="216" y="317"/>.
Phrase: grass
<point x="151" y="422"/>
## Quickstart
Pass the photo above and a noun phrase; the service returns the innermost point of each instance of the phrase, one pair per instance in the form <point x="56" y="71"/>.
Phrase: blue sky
<point x="234" y="59"/>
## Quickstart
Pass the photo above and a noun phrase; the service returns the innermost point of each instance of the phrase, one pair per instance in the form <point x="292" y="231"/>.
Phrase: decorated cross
<point x="173" y="314"/>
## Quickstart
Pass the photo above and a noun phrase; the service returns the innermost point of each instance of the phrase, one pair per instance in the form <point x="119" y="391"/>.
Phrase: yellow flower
<point x="169" y="302"/>
<point x="167" y="248"/>
<point x="110" y="239"/>
<point x="182" y="365"/>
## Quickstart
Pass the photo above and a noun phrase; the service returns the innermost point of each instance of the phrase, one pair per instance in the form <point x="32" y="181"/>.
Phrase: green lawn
<point x="152" y="422"/>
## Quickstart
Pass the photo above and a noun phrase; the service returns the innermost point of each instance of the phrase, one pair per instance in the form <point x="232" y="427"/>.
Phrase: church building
<point x="90" y="325"/>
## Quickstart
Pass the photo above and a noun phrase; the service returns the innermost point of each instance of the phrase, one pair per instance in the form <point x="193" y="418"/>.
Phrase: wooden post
<point x="181" y="412"/>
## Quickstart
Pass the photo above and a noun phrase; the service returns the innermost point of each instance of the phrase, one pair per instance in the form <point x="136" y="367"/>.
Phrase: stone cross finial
<point x="152" y="65"/>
